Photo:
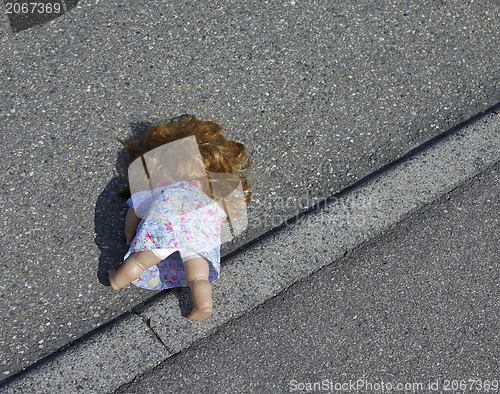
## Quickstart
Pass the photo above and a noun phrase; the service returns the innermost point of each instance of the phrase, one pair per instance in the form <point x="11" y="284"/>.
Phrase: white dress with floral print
<point x="176" y="216"/>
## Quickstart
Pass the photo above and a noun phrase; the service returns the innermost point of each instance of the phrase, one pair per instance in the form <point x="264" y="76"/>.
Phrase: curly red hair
<point x="219" y="154"/>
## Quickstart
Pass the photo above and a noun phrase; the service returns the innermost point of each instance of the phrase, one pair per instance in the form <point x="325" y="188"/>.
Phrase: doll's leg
<point x="197" y="271"/>
<point x="132" y="269"/>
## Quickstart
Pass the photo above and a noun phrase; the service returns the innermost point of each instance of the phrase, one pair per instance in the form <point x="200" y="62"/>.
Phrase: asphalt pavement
<point x="394" y="281"/>
<point x="415" y="309"/>
<point x="325" y="97"/>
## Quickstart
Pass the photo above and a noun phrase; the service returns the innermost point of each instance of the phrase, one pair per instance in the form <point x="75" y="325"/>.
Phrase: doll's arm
<point x="131" y="223"/>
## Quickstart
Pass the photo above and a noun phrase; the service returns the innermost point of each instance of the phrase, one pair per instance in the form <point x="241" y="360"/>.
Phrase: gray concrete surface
<point x="101" y="362"/>
<point x="414" y="309"/>
<point x="321" y="95"/>
<point x="265" y="271"/>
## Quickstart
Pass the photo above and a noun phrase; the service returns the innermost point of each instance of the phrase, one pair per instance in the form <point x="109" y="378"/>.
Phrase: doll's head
<point x="219" y="154"/>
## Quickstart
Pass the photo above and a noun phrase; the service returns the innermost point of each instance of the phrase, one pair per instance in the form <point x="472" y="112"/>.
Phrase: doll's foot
<point x="111" y="276"/>
<point x="201" y="314"/>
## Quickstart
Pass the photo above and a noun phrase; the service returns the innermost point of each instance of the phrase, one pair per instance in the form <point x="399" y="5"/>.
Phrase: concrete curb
<point x="117" y="353"/>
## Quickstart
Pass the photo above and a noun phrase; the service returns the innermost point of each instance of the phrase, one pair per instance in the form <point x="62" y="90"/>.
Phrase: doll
<point x="187" y="191"/>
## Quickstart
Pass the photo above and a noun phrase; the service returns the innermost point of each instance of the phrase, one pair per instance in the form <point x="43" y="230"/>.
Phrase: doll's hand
<point x="130" y="237"/>
<point x="131" y="223"/>
<point x="112" y="274"/>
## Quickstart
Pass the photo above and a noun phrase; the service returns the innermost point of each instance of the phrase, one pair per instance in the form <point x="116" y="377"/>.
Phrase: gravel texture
<point x="414" y="309"/>
<point x="112" y="356"/>
<point x="266" y="270"/>
<point x="322" y="95"/>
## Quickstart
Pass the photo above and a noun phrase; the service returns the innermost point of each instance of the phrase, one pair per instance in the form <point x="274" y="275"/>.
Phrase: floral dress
<point x="175" y="216"/>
